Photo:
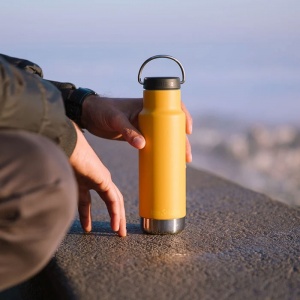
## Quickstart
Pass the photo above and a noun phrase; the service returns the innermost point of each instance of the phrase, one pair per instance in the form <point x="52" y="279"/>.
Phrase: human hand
<point x="117" y="118"/>
<point x="91" y="174"/>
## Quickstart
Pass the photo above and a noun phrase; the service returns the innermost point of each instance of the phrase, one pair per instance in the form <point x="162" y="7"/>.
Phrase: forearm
<point x="65" y="88"/>
<point x="30" y="103"/>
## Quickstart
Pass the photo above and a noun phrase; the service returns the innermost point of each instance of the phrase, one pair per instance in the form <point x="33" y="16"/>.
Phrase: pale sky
<point x="207" y="21"/>
<point x="241" y="56"/>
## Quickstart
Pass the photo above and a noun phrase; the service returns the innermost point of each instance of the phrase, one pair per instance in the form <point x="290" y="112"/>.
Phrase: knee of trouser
<point x="42" y="197"/>
<point x="49" y="169"/>
<point x="30" y="161"/>
<point x="51" y="178"/>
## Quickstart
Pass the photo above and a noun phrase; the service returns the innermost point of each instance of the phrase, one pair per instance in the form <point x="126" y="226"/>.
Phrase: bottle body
<point x="162" y="165"/>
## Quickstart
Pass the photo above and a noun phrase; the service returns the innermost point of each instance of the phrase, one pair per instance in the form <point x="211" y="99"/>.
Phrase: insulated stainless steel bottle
<point x="162" y="162"/>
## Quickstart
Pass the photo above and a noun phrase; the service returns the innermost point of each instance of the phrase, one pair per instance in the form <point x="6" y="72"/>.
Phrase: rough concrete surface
<point x="237" y="244"/>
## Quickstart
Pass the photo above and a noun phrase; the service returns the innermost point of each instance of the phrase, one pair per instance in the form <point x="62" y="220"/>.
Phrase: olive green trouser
<point x="38" y="199"/>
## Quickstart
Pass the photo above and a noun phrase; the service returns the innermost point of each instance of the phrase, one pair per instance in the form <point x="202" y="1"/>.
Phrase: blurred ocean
<point x="246" y="121"/>
<point x="242" y="63"/>
<point x="257" y="155"/>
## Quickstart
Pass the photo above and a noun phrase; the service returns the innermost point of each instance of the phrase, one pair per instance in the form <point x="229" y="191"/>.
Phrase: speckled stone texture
<point x="237" y="244"/>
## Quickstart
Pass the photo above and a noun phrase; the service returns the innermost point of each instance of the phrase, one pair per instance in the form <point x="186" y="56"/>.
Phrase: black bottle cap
<point x="161" y="83"/>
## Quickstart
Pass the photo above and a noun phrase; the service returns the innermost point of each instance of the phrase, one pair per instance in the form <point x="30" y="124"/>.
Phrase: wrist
<point x="74" y="104"/>
<point x="87" y="108"/>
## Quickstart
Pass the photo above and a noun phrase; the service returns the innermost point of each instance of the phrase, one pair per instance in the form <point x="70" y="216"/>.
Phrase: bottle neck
<point x="162" y="99"/>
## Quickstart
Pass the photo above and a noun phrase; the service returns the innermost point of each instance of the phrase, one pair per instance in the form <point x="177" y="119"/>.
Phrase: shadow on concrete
<point x="102" y="228"/>
<point x="50" y="283"/>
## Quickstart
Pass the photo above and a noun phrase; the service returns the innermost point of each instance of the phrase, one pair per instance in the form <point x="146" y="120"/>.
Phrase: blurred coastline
<point x="261" y="156"/>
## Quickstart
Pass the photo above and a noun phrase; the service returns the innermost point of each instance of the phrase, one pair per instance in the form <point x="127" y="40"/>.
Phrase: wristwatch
<point x="74" y="102"/>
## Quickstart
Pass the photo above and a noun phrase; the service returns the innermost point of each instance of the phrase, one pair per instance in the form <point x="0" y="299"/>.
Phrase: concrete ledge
<point x="237" y="244"/>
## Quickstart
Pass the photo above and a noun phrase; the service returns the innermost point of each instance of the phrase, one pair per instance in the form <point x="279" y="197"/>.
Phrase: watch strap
<point x="74" y="103"/>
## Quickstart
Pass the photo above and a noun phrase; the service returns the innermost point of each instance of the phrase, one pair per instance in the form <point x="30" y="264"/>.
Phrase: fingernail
<point x="138" y="142"/>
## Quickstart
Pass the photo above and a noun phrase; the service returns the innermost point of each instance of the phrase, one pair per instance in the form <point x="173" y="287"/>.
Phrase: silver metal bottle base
<point x="153" y="226"/>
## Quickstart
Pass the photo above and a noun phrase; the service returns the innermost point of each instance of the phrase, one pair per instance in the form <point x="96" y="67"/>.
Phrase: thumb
<point x="130" y="133"/>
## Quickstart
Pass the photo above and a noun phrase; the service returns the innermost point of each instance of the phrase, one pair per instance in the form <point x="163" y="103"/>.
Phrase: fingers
<point x="188" y="151"/>
<point x="189" y="120"/>
<point x="91" y="174"/>
<point x="189" y="129"/>
<point x="122" y="221"/>
<point x="115" y="206"/>
<point x="84" y="210"/>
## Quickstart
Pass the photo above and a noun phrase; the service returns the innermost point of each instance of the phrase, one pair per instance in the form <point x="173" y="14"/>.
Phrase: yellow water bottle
<point x="162" y="163"/>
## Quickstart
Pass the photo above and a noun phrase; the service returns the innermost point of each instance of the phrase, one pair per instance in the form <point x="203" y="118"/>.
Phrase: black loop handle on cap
<point x="161" y="56"/>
